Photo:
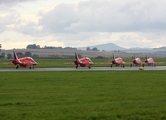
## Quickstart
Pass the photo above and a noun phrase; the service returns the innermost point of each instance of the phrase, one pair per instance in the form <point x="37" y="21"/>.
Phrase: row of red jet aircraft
<point x="115" y="61"/>
<point x="83" y="62"/>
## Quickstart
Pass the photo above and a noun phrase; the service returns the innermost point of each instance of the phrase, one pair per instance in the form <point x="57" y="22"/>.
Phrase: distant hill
<point x="139" y="48"/>
<point x="105" y="47"/>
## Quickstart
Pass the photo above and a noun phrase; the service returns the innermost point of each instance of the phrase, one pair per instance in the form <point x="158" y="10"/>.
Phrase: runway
<point x="82" y="69"/>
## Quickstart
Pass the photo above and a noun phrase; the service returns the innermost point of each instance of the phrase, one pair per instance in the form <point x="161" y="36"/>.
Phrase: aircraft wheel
<point x="16" y="66"/>
<point x="143" y="65"/>
<point x="76" y="66"/>
<point x="89" y="67"/>
<point x="30" y="67"/>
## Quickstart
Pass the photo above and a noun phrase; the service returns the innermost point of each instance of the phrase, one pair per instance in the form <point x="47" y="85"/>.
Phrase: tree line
<point x="34" y="46"/>
<point x="20" y="54"/>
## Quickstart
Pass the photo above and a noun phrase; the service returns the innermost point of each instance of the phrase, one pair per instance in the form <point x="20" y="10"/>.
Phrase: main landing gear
<point x="122" y="65"/>
<point x="17" y="66"/>
<point x="31" y="67"/>
<point x="111" y="66"/>
<point x="143" y="65"/>
<point x="76" y="66"/>
<point x="83" y="66"/>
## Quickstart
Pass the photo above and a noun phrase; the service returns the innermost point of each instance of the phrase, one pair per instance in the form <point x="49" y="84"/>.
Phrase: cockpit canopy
<point x="30" y="58"/>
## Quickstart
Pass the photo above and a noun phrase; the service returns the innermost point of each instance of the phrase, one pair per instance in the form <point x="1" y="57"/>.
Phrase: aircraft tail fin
<point x="146" y="56"/>
<point x="113" y="56"/>
<point x="134" y="56"/>
<point x="76" y="56"/>
<point x="15" y="56"/>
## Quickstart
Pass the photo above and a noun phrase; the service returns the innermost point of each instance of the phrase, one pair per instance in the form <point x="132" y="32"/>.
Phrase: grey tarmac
<point x="82" y="69"/>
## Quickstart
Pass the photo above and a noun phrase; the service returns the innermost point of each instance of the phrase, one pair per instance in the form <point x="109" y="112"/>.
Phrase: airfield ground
<point x="82" y="94"/>
<point x="132" y="95"/>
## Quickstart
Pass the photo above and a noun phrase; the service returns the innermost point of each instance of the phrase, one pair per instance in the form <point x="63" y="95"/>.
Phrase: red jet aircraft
<point x="82" y="61"/>
<point x="23" y="62"/>
<point x="137" y="62"/>
<point x="150" y="61"/>
<point x="117" y="61"/>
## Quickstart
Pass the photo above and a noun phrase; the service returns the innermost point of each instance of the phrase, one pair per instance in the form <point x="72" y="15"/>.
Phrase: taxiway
<point x="82" y="69"/>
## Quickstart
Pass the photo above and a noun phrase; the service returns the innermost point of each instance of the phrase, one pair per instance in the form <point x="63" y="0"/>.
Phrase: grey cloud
<point x="93" y="21"/>
<point x="99" y="16"/>
<point x="61" y="17"/>
<point x="8" y="21"/>
<point x="106" y="16"/>
<point x="13" y="1"/>
<point x="28" y="29"/>
<point x="52" y="22"/>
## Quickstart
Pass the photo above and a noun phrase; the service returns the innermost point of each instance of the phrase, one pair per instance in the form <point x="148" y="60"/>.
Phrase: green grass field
<point x="83" y="95"/>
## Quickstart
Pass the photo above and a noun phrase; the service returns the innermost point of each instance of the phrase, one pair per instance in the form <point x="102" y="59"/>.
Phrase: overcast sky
<point x="77" y="23"/>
